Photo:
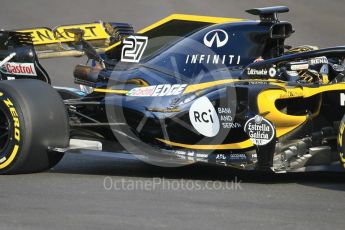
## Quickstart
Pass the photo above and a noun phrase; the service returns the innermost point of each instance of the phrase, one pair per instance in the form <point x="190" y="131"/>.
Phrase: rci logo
<point x="204" y="117"/>
<point x="218" y="36"/>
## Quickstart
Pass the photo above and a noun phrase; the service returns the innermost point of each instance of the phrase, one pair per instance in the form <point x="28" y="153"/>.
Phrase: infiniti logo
<point x="218" y="36"/>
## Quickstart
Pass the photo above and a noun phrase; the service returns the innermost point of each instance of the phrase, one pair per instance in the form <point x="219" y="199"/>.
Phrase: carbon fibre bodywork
<point x="215" y="90"/>
<point x="298" y="111"/>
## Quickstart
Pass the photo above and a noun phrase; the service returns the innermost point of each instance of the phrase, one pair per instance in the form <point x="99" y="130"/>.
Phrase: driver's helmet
<point x="313" y="70"/>
<point x="300" y="49"/>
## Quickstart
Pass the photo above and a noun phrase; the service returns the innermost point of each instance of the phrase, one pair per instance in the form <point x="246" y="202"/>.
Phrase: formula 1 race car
<point x="186" y="89"/>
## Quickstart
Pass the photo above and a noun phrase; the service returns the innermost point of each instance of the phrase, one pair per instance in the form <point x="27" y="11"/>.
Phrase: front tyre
<point x="32" y="119"/>
<point x="341" y="141"/>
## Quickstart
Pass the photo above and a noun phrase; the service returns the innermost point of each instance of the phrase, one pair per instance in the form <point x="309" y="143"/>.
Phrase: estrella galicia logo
<point x="259" y="130"/>
<point x="204" y="117"/>
<point x="217" y="36"/>
<point x="133" y="48"/>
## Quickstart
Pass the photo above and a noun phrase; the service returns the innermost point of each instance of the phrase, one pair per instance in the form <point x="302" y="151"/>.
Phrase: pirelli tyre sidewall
<point x="341" y="141"/>
<point x="12" y="142"/>
<point x="37" y="119"/>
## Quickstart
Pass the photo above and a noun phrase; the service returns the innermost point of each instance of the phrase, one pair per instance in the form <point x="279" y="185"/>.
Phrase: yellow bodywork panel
<point x="285" y="123"/>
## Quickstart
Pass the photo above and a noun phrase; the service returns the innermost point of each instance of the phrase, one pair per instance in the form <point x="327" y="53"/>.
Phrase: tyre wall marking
<point x="12" y="156"/>
<point x="15" y="118"/>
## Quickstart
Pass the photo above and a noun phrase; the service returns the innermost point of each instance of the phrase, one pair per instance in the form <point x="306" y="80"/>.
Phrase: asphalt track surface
<point x="97" y="191"/>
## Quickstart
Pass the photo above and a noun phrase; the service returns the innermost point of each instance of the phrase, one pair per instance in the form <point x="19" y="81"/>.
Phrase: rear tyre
<point x="32" y="119"/>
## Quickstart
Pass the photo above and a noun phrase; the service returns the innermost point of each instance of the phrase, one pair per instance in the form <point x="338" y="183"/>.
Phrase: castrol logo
<point x="14" y="68"/>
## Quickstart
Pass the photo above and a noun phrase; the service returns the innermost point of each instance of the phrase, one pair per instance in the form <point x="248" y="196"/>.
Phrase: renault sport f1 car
<point x="187" y="88"/>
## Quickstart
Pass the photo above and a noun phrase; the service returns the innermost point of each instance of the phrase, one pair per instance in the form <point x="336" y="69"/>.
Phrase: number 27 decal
<point x="133" y="48"/>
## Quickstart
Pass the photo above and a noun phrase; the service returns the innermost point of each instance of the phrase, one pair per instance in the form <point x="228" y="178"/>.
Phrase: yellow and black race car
<point x="186" y="89"/>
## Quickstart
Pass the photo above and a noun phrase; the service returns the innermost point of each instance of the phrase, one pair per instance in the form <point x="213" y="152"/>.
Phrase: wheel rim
<point x="4" y="131"/>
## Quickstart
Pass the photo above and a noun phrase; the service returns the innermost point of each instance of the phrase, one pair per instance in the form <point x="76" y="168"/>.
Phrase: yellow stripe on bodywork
<point x="189" y="89"/>
<point x="183" y="17"/>
<point x="188" y="17"/>
<point x="115" y="91"/>
<point x="201" y="86"/>
<point x="240" y="145"/>
<point x="205" y="85"/>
